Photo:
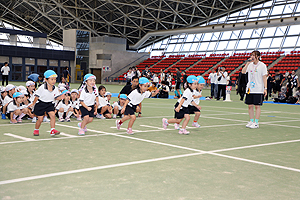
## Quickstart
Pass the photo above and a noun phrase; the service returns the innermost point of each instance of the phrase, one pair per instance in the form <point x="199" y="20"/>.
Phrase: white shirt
<point x="7" y="99"/>
<point x="118" y="105"/>
<point x="255" y="77"/>
<point x="136" y="97"/>
<point x="45" y="95"/>
<point x="155" y="79"/>
<point x="102" y="101"/>
<point x="187" y="96"/>
<point x="5" y="70"/>
<point x="62" y="104"/>
<point x="88" y="98"/>
<point x="75" y="104"/>
<point x="213" y="77"/>
<point x="196" y="93"/>
<point x="12" y="106"/>
<point x="223" y="80"/>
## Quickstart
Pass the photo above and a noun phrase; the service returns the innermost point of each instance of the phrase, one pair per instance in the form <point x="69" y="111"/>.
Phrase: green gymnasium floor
<point x="220" y="160"/>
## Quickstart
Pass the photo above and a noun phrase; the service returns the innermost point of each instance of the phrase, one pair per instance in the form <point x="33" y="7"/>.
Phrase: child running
<point x="88" y="98"/>
<point x="43" y="102"/>
<point x="132" y="102"/>
<point x="181" y="106"/>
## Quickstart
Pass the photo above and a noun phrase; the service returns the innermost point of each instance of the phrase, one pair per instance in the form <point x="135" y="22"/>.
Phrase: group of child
<point x="89" y="102"/>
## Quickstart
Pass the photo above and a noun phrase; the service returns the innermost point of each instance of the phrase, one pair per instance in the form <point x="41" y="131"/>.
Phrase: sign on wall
<point x="106" y="69"/>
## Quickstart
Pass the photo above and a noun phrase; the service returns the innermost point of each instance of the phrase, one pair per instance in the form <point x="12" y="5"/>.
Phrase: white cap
<point x="29" y="83"/>
<point x="61" y="85"/>
<point x="20" y="88"/>
<point x="2" y="89"/>
<point x="62" y="88"/>
<point x="74" y="90"/>
<point x="24" y="92"/>
<point x="107" y="93"/>
<point x="10" y="87"/>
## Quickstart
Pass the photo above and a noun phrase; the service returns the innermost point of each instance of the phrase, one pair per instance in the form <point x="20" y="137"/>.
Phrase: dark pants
<point x="242" y="91"/>
<point x="223" y="89"/>
<point x="4" y="77"/>
<point x="212" y="90"/>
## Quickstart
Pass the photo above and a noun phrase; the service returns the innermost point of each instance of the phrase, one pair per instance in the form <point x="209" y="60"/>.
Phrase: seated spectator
<point x="281" y="95"/>
<point x="65" y="109"/>
<point x="117" y="106"/>
<point x="163" y="90"/>
<point x="104" y="109"/>
<point x="152" y="87"/>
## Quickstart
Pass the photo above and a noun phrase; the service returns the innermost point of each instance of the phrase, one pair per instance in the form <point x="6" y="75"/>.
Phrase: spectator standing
<point x="278" y="80"/>
<point x="212" y="80"/>
<point x="242" y="84"/>
<point x="178" y="81"/>
<point x="269" y="85"/>
<point x="137" y="72"/>
<point x="162" y="76"/>
<point x="222" y="81"/>
<point x="295" y="82"/>
<point x="67" y="76"/>
<point x="5" y="72"/>
<point x="184" y="77"/>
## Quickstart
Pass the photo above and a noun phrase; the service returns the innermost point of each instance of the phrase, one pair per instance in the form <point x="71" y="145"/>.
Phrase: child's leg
<point x="116" y="110"/>
<point x="125" y="118"/>
<point x="197" y="115"/>
<point x="52" y="119"/>
<point x="39" y="122"/>
<point x="251" y="111"/>
<point x="107" y="116"/>
<point x="103" y="109"/>
<point x="132" y="119"/>
<point x="60" y="113"/>
<point x="85" y="121"/>
<point x="257" y="113"/>
<point x="172" y="121"/>
<point x="186" y="120"/>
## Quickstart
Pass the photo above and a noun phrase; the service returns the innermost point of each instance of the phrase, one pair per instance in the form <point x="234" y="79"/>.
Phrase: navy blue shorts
<point x="130" y="110"/>
<point x="85" y="112"/>
<point x="41" y="107"/>
<point x="254" y="99"/>
<point x="193" y="109"/>
<point x="181" y="113"/>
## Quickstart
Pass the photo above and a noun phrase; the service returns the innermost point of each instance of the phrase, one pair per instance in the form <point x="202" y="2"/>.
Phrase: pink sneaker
<point x="54" y="132"/>
<point x="165" y="123"/>
<point x="81" y="132"/>
<point x="183" y="131"/>
<point x="195" y="124"/>
<point x="84" y="129"/>
<point x="118" y="124"/>
<point x="129" y="131"/>
<point x="176" y="126"/>
<point x="36" y="133"/>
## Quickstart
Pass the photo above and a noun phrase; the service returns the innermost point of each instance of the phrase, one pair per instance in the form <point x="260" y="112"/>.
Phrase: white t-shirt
<point x="88" y="98"/>
<point x="213" y="77"/>
<point x="136" y="97"/>
<point x="45" y="95"/>
<point x="102" y="101"/>
<point x="5" y="70"/>
<point x="196" y="93"/>
<point x="118" y="105"/>
<point x="12" y="106"/>
<point x="75" y="104"/>
<point x="255" y="77"/>
<point x="188" y="96"/>
<point x="7" y="99"/>
<point x="223" y="80"/>
<point x="62" y="104"/>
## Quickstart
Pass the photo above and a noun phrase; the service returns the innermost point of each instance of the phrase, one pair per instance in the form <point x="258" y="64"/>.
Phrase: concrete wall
<point x="69" y="40"/>
<point x="120" y="58"/>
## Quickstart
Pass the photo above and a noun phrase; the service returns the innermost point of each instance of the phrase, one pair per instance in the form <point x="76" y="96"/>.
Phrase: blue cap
<point x="18" y="94"/>
<point x="201" y="80"/>
<point x="89" y="76"/>
<point x="191" y="79"/>
<point x="144" y="80"/>
<point x="50" y="73"/>
<point x="123" y="96"/>
<point x="65" y="92"/>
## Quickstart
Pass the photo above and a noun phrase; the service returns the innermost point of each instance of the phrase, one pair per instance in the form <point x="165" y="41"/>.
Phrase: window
<point x="265" y="43"/>
<point x="16" y="60"/>
<point x="30" y="61"/>
<point x="42" y="62"/>
<point x="290" y="41"/>
<point x="276" y="42"/>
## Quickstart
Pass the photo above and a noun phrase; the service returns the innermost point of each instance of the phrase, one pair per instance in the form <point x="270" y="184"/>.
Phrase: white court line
<point x="284" y="125"/>
<point x="94" y="168"/>
<point x="153" y="127"/>
<point x="68" y="135"/>
<point x="19" y="137"/>
<point x="125" y="129"/>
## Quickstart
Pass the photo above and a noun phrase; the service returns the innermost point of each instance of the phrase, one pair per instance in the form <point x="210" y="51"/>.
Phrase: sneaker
<point x="19" y="120"/>
<point x="46" y="119"/>
<point x="3" y="116"/>
<point x="36" y="133"/>
<point x="81" y="132"/>
<point x="118" y="124"/>
<point x="61" y="120"/>
<point x="79" y="119"/>
<point x="254" y="125"/>
<point x="67" y="120"/>
<point x="114" y="116"/>
<point x="183" y="132"/>
<point x="249" y="124"/>
<point x="129" y="131"/>
<point x="176" y="126"/>
<point x="13" y="122"/>
<point x="195" y="124"/>
<point x="84" y="129"/>
<point x="165" y="123"/>
<point x="33" y="120"/>
<point x="54" y="132"/>
<point x="99" y="116"/>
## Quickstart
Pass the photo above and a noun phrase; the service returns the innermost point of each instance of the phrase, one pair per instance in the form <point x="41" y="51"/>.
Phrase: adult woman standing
<point x="256" y="87"/>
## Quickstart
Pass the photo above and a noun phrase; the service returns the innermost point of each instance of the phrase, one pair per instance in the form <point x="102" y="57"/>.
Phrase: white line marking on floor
<point x="152" y="127"/>
<point x="95" y="168"/>
<point x="19" y="137"/>
<point x="283" y="125"/>
<point x="67" y="135"/>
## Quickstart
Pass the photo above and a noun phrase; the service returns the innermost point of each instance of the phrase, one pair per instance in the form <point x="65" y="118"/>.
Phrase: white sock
<point x="45" y="117"/>
<point x="60" y="115"/>
<point x="69" y="114"/>
<point x="15" y="116"/>
<point x="52" y="129"/>
<point x="20" y="116"/>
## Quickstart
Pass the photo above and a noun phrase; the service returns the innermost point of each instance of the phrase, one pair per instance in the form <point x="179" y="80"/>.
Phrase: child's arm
<point x="60" y="97"/>
<point x="34" y="102"/>
<point x="124" y="107"/>
<point x="180" y="104"/>
<point x="84" y="105"/>
<point x="196" y="105"/>
<point x="97" y="104"/>
<point x="196" y="97"/>
<point x="153" y="94"/>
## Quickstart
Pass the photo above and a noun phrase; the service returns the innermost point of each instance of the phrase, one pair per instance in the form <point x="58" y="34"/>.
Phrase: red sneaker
<point x="54" y="132"/>
<point x="36" y="133"/>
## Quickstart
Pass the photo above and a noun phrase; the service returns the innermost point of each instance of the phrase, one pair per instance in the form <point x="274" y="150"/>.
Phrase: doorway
<point x="97" y="73"/>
